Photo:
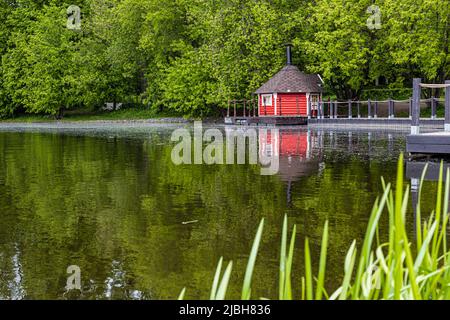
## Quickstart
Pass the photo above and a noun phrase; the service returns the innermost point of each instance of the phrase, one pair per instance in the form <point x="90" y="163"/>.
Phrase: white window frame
<point x="265" y="96"/>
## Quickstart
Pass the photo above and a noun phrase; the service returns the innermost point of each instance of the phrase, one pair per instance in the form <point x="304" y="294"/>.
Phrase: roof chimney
<point x="289" y="54"/>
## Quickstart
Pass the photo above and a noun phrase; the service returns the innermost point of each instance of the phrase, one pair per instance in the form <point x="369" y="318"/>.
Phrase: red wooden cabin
<point x="289" y="91"/>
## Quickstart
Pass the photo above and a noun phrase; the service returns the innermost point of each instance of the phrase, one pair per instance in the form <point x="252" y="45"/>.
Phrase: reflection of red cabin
<point x="285" y="143"/>
<point x="288" y="92"/>
<point x="294" y="143"/>
<point x="294" y="150"/>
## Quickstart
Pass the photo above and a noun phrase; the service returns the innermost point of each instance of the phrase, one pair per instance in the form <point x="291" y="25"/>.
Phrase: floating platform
<point x="429" y="143"/>
<point x="267" y="120"/>
<point x="376" y="122"/>
<point x="381" y="123"/>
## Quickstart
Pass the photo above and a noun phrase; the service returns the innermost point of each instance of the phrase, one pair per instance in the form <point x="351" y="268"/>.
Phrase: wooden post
<point x="410" y="108"/>
<point x="416" y="106"/>
<point x="245" y="106"/>
<point x="330" y="108"/>
<point x="350" y="109"/>
<point x="319" y="111"/>
<point x="336" y="114"/>
<point x="433" y="108"/>
<point x="358" y="104"/>
<point x="393" y="109"/>
<point x="234" y="108"/>
<point x="308" y="111"/>
<point x="254" y="107"/>
<point x="228" y="110"/>
<point x="447" y="106"/>
<point x="389" y="108"/>
<point x="322" y="108"/>
<point x="369" y="109"/>
<point x="375" y="109"/>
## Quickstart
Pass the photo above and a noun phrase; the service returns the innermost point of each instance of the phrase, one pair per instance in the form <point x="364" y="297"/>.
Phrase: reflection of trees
<point x="90" y="201"/>
<point x="115" y="207"/>
<point x="11" y="286"/>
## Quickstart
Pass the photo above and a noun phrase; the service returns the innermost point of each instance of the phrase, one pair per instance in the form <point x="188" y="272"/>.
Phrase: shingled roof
<point x="291" y="79"/>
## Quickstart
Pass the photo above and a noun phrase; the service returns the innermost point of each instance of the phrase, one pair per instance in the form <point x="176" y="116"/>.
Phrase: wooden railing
<point x="415" y="104"/>
<point x="334" y="109"/>
<point x="368" y="109"/>
<point x="248" y="107"/>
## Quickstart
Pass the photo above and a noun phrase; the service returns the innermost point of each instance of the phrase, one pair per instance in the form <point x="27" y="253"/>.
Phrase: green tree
<point x="231" y="48"/>
<point x="418" y="37"/>
<point x="340" y="45"/>
<point x="40" y="70"/>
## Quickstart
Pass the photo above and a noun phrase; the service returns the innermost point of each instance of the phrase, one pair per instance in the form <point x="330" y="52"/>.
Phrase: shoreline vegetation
<point x="124" y="115"/>
<point x="397" y="269"/>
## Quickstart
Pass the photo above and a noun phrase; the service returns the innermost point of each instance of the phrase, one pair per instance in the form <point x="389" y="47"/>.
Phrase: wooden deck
<point x="327" y="122"/>
<point x="429" y="143"/>
<point x="267" y="120"/>
<point x="374" y="123"/>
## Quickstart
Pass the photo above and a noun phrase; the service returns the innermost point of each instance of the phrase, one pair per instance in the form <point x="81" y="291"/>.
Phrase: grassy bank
<point x="397" y="269"/>
<point x="124" y="114"/>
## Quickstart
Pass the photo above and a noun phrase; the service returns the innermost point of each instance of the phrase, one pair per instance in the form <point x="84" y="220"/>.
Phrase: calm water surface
<point x="109" y="200"/>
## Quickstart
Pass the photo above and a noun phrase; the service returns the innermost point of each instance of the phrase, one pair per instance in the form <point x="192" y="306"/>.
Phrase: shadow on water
<point x="111" y="201"/>
<point x="414" y="172"/>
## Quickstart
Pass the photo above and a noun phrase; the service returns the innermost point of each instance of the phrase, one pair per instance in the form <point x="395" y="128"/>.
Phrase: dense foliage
<point x="191" y="56"/>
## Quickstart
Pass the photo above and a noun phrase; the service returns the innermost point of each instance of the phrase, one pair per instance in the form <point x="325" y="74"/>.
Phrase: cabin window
<point x="266" y="100"/>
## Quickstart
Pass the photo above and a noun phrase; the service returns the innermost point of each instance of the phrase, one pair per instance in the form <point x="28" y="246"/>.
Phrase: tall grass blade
<point x="438" y="210"/>
<point x="288" y="285"/>
<point x="182" y="293"/>
<point x="418" y="208"/>
<point x="443" y="231"/>
<point x="348" y="269"/>
<point x="370" y="233"/>
<point x="216" y="280"/>
<point x="398" y="225"/>
<point x="308" y="271"/>
<point x="222" y="290"/>
<point x="425" y="247"/>
<point x="322" y="263"/>
<point x="246" y="287"/>
<point x="282" y="276"/>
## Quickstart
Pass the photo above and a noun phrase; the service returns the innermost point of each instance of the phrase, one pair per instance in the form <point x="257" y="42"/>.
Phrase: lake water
<point x="109" y="200"/>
